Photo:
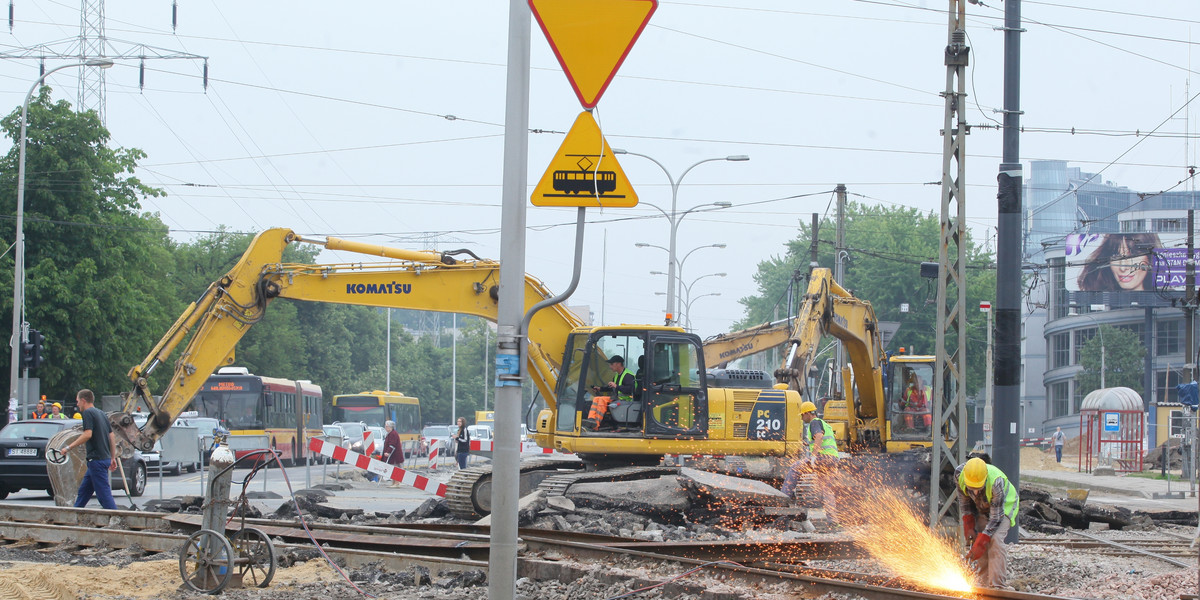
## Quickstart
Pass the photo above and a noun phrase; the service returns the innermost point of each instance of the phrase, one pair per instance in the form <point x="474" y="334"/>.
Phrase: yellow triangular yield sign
<point x="584" y="172"/>
<point x="591" y="38"/>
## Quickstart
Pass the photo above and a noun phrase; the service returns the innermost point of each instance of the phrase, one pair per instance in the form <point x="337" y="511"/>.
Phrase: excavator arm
<point x="413" y="279"/>
<point x="724" y="348"/>
<point x="828" y="309"/>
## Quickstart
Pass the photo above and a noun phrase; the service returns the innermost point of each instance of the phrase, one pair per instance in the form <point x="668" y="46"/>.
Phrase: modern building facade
<point x="1119" y="263"/>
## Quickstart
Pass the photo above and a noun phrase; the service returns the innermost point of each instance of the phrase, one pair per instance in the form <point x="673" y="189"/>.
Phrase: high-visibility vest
<point x="828" y="443"/>
<point x="1011" y="499"/>
<point x="620" y="377"/>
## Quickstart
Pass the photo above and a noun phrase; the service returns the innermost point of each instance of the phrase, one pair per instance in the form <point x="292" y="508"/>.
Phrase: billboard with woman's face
<point x="1126" y="262"/>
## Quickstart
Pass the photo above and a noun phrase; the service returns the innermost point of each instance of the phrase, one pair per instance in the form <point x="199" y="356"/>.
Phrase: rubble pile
<point x="1044" y="513"/>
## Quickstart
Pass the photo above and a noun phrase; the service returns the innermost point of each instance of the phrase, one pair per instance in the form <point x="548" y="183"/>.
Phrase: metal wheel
<point x="256" y="556"/>
<point x="206" y="562"/>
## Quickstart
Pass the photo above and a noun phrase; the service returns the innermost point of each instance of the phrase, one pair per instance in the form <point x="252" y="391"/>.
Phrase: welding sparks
<point x="884" y="523"/>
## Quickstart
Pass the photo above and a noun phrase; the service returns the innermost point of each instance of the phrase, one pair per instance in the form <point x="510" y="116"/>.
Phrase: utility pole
<point x="839" y="273"/>
<point x="1189" y="302"/>
<point x="1006" y="438"/>
<point x="989" y="378"/>
<point x="950" y="377"/>
<point x="813" y="248"/>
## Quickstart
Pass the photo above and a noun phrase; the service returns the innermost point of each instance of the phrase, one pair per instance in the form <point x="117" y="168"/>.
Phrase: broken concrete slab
<point x="722" y="489"/>
<point x="661" y="499"/>
<point x="528" y="508"/>
<point x="562" y="503"/>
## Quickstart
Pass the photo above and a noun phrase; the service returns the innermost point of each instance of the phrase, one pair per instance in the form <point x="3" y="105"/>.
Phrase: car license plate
<point x="22" y="451"/>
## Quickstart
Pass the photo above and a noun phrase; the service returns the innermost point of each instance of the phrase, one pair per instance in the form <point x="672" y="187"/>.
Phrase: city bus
<point x="373" y="408"/>
<point x="287" y="412"/>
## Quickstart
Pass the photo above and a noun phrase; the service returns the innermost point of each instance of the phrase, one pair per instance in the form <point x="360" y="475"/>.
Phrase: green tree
<point x="1116" y="352"/>
<point x="886" y="246"/>
<point x="95" y="265"/>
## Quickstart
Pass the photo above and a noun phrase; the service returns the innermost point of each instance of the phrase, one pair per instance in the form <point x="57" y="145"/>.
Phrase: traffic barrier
<point x="488" y="445"/>
<point x="1035" y="441"/>
<point x="377" y="467"/>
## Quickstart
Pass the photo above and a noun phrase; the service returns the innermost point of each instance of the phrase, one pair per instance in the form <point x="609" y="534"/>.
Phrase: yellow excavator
<point x="883" y="420"/>
<point x="675" y="409"/>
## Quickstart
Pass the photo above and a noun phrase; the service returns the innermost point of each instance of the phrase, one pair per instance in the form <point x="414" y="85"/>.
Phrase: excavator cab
<point x="669" y="399"/>
<point x="910" y="399"/>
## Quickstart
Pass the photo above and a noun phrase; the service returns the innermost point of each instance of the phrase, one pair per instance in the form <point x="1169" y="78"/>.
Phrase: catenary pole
<point x="1006" y="436"/>
<point x="502" y="559"/>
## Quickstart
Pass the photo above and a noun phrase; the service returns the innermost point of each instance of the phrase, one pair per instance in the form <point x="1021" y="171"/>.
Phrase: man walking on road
<point x="101" y="449"/>
<point x="1059" y="439"/>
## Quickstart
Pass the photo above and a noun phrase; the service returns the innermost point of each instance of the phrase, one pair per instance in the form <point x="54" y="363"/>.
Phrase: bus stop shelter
<point x="1112" y="425"/>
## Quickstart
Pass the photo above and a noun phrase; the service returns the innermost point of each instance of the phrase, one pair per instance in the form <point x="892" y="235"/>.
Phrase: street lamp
<point x="679" y="267"/>
<point x="687" y="291"/>
<point x="19" y="334"/>
<point x="674" y="217"/>
<point x="688" y="306"/>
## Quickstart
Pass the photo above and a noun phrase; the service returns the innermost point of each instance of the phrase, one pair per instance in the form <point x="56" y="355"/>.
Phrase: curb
<point x="1060" y="483"/>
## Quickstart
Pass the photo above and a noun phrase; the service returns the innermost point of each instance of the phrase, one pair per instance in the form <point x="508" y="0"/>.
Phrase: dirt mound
<point x="1035" y="459"/>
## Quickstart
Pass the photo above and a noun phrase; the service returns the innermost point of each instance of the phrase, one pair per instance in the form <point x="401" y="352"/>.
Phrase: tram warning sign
<point x="591" y="38"/>
<point x="584" y="172"/>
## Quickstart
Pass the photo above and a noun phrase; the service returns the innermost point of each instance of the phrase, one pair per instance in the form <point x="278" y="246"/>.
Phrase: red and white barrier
<point x="434" y="448"/>
<point x="488" y="445"/>
<point x="377" y="467"/>
<point x="368" y="448"/>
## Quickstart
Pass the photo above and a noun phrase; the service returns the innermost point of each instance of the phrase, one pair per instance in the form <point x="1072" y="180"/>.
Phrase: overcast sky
<point x="334" y="119"/>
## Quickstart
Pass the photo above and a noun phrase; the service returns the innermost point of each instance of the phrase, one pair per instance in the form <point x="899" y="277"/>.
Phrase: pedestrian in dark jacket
<point x="462" y="443"/>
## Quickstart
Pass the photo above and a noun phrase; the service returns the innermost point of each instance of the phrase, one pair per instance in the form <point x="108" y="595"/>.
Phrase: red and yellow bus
<point x="287" y="412"/>
<point x="374" y="408"/>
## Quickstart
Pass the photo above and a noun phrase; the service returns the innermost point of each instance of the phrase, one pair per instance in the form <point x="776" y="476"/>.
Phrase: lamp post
<point x="679" y="266"/>
<point x="674" y="217"/>
<point x="19" y="334"/>
<point x="688" y="306"/>
<point x="687" y="293"/>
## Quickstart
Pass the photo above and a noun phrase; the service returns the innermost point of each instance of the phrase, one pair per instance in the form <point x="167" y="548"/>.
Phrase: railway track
<point x="544" y="555"/>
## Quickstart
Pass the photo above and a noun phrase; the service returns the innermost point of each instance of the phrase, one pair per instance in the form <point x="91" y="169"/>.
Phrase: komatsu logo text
<point x="748" y="346"/>
<point x="379" y="288"/>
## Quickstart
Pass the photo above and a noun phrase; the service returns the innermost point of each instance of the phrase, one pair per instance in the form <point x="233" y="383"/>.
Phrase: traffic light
<point x="31" y="351"/>
<point x="36" y="338"/>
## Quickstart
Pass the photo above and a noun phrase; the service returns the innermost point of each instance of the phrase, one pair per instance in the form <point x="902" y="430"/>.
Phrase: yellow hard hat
<point x="56" y="405"/>
<point x="807" y="407"/>
<point x="975" y="473"/>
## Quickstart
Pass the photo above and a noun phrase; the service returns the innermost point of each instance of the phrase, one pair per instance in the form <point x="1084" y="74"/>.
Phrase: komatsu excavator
<point x="674" y="410"/>
<point x="884" y="417"/>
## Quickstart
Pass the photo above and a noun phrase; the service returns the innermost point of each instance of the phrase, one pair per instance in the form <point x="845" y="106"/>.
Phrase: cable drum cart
<point x="209" y="560"/>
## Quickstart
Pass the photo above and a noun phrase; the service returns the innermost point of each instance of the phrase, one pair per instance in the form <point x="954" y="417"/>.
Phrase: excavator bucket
<point x="65" y="476"/>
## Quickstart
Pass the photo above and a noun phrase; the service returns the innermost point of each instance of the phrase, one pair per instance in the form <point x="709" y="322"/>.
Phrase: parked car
<point x="208" y="428"/>
<point x="23" y="459"/>
<point x="439" y="434"/>
<point x="354" y="435"/>
<point x="481" y="433"/>
<point x="153" y="457"/>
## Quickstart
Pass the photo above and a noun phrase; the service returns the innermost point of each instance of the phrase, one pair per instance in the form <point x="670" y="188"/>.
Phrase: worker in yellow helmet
<point x="988" y="503"/>
<point x="821" y="457"/>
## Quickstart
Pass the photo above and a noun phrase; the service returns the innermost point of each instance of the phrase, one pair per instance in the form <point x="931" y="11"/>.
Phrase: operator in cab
<point x="989" y="504"/>
<point x="622" y="387"/>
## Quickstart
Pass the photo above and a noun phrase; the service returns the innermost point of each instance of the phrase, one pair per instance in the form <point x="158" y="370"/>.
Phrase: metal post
<point x="1008" y="263"/>
<point x="20" y="332"/>
<point x="839" y="273"/>
<point x="949" y="383"/>
<point x="1189" y="303"/>
<point x="989" y="378"/>
<point x="454" y="368"/>
<point x="388" y="357"/>
<point x="502" y="560"/>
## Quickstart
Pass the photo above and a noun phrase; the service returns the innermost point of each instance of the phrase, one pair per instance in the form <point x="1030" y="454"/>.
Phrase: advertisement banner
<point x="1127" y="262"/>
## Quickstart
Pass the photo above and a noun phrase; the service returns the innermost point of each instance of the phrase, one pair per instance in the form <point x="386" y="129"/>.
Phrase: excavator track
<point x="557" y="485"/>
<point x="469" y="491"/>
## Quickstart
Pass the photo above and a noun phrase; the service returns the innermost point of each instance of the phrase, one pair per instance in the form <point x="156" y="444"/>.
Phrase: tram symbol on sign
<point x="587" y="180"/>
